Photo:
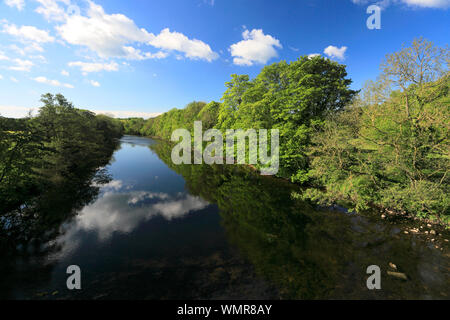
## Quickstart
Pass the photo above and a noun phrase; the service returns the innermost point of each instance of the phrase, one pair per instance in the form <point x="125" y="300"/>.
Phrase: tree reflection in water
<point x="310" y="253"/>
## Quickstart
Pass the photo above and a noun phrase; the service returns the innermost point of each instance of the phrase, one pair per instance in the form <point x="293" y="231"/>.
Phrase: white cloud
<point x="21" y="65"/>
<point x="33" y="47"/>
<point x="19" y="4"/>
<point x="3" y="57"/>
<point x="51" y="10"/>
<point x="428" y="3"/>
<point x="192" y="49"/>
<point x="107" y="35"/>
<point x="136" y="54"/>
<point x="65" y="73"/>
<point x="20" y="112"/>
<point x="255" y="48"/>
<point x="94" y="83"/>
<point x="55" y="83"/>
<point x="128" y="114"/>
<point x="335" y="52"/>
<point x="439" y="4"/>
<point x="14" y="111"/>
<point x="112" y="35"/>
<point x="88" y="67"/>
<point x="1" y="77"/>
<point x="312" y="55"/>
<point x="13" y="79"/>
<point x="124" y="211"/>
<point x="28" y="33"/>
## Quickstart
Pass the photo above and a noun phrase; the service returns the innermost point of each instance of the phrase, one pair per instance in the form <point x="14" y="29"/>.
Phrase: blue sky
<point x="140" y="57"/>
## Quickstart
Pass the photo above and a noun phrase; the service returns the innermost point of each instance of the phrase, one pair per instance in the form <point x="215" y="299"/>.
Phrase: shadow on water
<point x="309" y="253"/>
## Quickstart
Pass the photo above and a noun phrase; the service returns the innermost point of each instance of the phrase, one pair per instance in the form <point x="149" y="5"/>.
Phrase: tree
<point x="376" y="154"/>
<point x="416" y="65"/>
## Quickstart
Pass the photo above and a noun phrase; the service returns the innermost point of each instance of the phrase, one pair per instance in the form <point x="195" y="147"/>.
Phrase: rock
<point x="414" y="230"/>
<point x="426" y="232"/>
<point x="428" y="225"/>
<point x="383" y="216"/>
<point x="393" y="266"/>
<point x="398" y="275"/>
<point x="405" y="232"/>
<point x="432" y="232"/>
<point x="432" y="240"/>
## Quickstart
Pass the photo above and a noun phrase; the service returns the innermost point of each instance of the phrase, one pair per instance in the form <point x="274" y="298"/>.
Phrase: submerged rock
<point x="393" y="266"/>
<point x="398" y="275"/>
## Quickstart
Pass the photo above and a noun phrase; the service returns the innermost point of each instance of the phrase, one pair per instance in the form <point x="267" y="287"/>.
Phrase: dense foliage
<point x="292" y="97"/>
<point x="386" y="146"/>
<point x="390" y="148"/>
<point x="307" y="253"/>
<point x="40" y="155"/>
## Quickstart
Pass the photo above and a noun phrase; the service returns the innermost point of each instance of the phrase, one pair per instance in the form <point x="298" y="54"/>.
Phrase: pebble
<point x="432" y="232"/>
<point x="393" y="266"/>
<point x="399" y="275"/>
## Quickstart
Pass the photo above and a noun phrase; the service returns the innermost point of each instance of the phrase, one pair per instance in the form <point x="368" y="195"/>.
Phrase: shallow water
<point x="160" y="231"/>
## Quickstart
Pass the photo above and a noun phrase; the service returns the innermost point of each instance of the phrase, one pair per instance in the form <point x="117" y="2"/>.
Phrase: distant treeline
<point x="39" y="155"/>
<point x="386" y="146"/>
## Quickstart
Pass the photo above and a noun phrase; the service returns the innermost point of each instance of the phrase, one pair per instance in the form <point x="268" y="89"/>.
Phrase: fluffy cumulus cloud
<point x="113" y="35"/>
<point x="105" y="34"/>
<point x="87" y="67"/>
<point x="439" y="4"/>
<point x="31" y="37"/>
<point x="335" y="52"/>
<point x="256" y="47"/>
<point x="54" y="83"/>
<point x="19" y="4"/>
<point x="193" y="49"/>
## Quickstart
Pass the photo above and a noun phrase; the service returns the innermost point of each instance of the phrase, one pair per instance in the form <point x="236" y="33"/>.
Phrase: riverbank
<point x="376" y="210"/>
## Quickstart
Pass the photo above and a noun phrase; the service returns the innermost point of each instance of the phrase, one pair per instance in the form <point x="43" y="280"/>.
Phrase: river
<point x="159" y="231"/>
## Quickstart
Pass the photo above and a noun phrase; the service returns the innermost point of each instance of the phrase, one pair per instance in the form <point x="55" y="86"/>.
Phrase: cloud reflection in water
<point x="119" y="210"/>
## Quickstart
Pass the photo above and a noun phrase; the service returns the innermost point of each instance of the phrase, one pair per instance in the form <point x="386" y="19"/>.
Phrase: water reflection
<point x="124" y="211"/>
<point x="155" y="230"/>
<point x="309" y="253"/>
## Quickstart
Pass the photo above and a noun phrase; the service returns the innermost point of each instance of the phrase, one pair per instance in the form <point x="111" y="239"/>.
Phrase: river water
<point x="160" y="231"/>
